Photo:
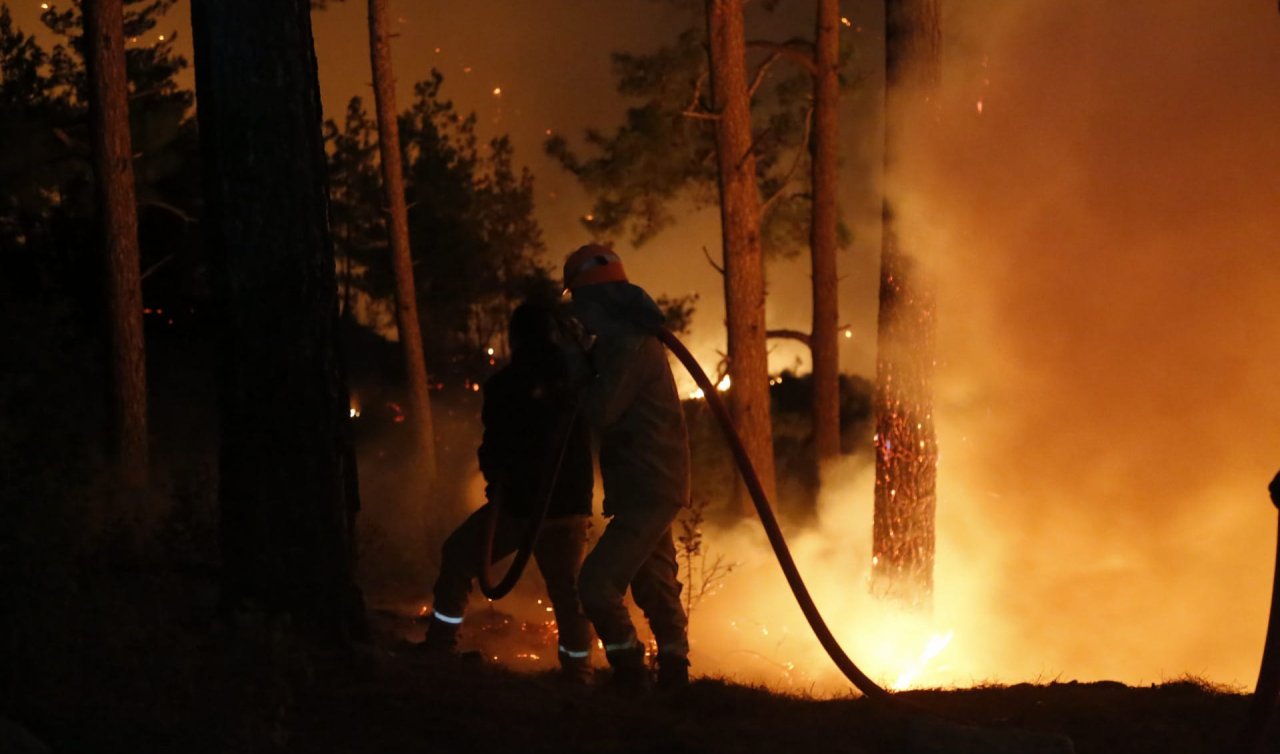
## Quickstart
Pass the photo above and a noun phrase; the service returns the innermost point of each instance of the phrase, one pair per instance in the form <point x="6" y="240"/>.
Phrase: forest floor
<point x="172" y="681"/>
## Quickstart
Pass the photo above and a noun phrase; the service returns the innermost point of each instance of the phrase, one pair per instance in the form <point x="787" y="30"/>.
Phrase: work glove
<point x="575" y="343"/>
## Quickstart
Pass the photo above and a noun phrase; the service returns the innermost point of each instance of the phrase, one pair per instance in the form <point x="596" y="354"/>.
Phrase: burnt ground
<point x="137" y="666"/>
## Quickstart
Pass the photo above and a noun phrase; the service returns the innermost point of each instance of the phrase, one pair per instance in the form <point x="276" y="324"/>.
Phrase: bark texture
<point x="118" y="214"/>
<point x="287" y="487"/>
<point x="906" y="444"/>
<point x="384" y="92"/>
<point x="740" y="227"/>
<point x="824" y="342"/>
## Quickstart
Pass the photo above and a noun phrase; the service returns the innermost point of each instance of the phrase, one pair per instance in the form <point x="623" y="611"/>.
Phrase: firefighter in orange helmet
<point x="629" y="397"/>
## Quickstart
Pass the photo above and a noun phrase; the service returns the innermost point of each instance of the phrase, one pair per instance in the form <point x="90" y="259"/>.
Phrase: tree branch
<point x="695" y="108"/>
<point x="784" y="334"/>
<point x="797" y="335"/>
<point x="758" y="79"/>
<point x="795" y="164"/>
<point x="147" y="273"/>
<point x="797" y="52"/>
<point x="175" y="211"/>
<point x="711" y="261"/>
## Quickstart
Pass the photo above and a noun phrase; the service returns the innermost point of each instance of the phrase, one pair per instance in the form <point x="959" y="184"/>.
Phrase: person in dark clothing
<point x="631" y="401"/>
<point x="526" y="413"/>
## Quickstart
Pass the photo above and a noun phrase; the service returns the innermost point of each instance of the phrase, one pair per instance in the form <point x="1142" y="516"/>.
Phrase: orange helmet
<point x="593" y="264"/>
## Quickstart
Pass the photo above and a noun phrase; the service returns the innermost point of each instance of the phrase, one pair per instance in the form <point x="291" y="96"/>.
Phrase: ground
<point x="175" y="681"/>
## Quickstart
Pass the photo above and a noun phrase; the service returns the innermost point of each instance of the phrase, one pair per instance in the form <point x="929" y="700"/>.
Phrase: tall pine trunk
<point x="287" y="487"/>
<point x="118" y="212"/>
<point x="384" y="92"/>
<point x="824" y="341"/>
<point x="740" y="227"/>
<point x="906" y="444"/>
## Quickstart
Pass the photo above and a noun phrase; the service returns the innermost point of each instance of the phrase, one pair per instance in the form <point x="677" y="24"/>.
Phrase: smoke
<point x="1104" y="230"/>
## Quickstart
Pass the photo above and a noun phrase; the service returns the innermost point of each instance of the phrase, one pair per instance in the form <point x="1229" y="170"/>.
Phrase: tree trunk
<point x="287" y="488"/>
<point x="740" y="227"/>
<point x="384" y="92"/>
<point x="906" y="444"/>
<point x="824" y="343"/>
<point x="118" y="212"/>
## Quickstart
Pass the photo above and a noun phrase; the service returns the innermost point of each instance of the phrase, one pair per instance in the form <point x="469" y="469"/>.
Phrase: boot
<point x="441" y="639"/>
<point x="575" y="671"/>
<point x="673" y="672"/>
<point x="630" y="677"/>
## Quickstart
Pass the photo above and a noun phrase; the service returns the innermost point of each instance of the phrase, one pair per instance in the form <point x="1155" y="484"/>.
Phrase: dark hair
<point x="531" y="327"/>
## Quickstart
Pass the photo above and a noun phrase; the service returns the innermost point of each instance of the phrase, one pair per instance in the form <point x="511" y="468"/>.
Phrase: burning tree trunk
<point x="118" y="211"/>
<point x="824" y="339"/>
<point x="740" y="227"/>
<point x="286" y="483"/>
<point x="398" y="228"/>
<point x="906" y="445"/>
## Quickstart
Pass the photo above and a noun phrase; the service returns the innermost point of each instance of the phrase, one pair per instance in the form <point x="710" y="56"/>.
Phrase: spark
<point x="466" y="69"/>
<point x="44" y="6"/>
<point x="979" y="107"/>
<point x="490" y="352"/>
<point x="848" y="333"/>
<point x="497" y="91"/>
<point x="354" y="413"/>
<point x="161" y="37"/>
<point x="846" y="21"/>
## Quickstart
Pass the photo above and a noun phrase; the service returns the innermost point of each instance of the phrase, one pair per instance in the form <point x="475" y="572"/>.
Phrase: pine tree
<point x="740" y="229"/>
<point x="398" y="228"/>
<point x="287" y="487"/>
<point x="118" y="215"/>
<point x="823" y="234"/>
<point x="906" y="444"/>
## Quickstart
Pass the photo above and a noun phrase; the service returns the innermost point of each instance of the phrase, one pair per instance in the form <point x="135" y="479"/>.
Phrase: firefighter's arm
<point x="620" y="372"/>
<point x="494" y="450"/>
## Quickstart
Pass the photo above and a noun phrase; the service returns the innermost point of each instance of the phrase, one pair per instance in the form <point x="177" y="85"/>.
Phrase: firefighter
<point x="526" y="413"/>
<point x="629" y="396"/>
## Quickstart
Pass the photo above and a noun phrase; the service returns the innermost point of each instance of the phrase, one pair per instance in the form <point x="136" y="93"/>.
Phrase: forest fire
<point x="258" y="326"/>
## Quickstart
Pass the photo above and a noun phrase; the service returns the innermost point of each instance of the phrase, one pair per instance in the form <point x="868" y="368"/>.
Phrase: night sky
<point x="550" y="61"/>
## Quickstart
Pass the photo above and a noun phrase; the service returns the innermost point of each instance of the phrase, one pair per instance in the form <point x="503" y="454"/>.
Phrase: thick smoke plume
<point x="1099" y="197"/>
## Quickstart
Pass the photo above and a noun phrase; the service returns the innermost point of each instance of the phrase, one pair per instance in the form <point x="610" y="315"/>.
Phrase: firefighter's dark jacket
<point x="632" y="402"/>
<point x="525" y="413"/>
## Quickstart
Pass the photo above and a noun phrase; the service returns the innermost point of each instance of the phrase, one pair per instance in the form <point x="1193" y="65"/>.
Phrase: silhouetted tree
<point x="384" y="90"/>
<point x="824" y="234"/>
<point x="118" y="215"/>
<point x="475" y="244"/>
<point x="286" y="482"/>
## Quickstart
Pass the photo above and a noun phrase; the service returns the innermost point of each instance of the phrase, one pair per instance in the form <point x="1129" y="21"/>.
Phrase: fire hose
<point x="772" y="530"/>
<point x="779" y="544"/>
<point x="496" y="591"/>
<point x="1266" y="697"/>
